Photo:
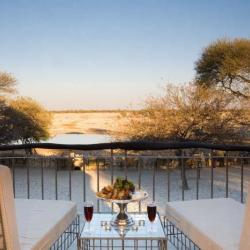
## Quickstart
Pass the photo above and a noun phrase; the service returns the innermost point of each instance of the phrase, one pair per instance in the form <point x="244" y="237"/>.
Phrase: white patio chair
<point x="33" y="224"/>
<point x="212" y="223"/>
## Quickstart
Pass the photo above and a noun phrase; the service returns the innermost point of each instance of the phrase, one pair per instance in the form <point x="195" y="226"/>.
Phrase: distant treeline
<point x="92" y="111"/>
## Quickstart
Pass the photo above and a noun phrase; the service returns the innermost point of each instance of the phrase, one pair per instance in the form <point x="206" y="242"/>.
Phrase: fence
<point x="151" y="166"/>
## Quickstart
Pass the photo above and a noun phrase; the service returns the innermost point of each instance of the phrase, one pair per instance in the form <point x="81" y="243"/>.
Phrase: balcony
<point x="167" y="171"/>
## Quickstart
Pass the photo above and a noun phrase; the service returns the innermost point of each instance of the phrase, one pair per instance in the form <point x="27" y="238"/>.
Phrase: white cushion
<point x="211" y="224"/>
<point x="41" y="222"/>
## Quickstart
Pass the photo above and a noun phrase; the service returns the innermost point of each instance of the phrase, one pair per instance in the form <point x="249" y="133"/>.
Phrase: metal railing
<point x="152" y="166"/>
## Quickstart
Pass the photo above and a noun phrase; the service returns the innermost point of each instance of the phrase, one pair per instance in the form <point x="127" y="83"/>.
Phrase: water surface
<point x="80" y="139"/>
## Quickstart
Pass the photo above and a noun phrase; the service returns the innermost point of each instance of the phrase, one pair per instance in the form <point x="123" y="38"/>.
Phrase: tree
<point x="31" y="120"/>
<point x="22" y="119"/>
<point x="28" y="120"/>
<point x="7" y="83"/>
<point x="7" y="86"/>
<point x="226" y="64"/>
<point x="189" y="113"/>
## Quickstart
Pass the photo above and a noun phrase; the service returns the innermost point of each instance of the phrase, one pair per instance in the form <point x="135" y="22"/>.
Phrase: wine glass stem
<point x="151" y="226"/>
<point x="89" y="226"/>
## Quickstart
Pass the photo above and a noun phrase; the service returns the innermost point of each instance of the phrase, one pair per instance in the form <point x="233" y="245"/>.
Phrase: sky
<point x="110" y="54"/>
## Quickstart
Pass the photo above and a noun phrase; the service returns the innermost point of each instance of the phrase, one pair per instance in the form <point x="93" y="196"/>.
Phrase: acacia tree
<point x="189" y="113"/>
<point x="28" y="120"/>
<point x="226" y="64"/>
<point x="21" y="119"/>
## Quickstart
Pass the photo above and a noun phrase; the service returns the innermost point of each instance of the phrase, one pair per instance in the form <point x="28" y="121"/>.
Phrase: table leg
<point x="123" y="247"/>
<point x="79" y="244"/>
<point x="136" y="244"/>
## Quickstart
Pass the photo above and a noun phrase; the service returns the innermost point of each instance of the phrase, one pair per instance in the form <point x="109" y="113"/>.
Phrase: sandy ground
<point x="86" y="123"/>
<point x="161" y="188"/>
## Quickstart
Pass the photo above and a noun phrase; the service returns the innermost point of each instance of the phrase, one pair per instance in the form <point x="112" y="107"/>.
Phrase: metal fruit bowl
<point x="122" y="218"/>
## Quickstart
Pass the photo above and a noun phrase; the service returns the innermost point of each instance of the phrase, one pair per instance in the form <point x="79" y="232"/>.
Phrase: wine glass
<point x="151" y="209"/>
<point x="88" y="213"/>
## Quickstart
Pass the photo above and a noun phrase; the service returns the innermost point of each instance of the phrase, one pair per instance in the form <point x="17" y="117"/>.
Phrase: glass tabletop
<point x="100" y="228"/>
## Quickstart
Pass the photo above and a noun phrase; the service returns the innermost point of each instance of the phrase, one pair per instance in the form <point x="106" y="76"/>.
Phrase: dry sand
<point x="85" y="123"/>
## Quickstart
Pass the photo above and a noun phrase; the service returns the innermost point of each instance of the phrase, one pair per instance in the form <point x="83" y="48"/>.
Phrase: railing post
<point x="154" y="169"/>
<point x="197" y="178"/>
<point x="212" y="175"/>
<point x="182" y="176"/>
<point x="226" y="174"/>
<point x="139" y="178"/>
<point x="98" y="184"/>
<point x="242" y="180"/>
<point x="13" y="173"/>
<point x="70" y="173"/>
<point x="168" y="178"/>
<point x="28" y="181"/>
<point x="42" y="177"/>
<point x="112" y="166"/>
<point x="126" y="164"/>
<point x="56" y="178"/>
<point x="112" y="173"/>
<point x="84" y="180"/>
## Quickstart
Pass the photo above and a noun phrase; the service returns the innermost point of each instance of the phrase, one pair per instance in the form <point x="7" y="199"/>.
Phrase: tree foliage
<point x="24" y="120"/>
<point x="21" y="119"/>
<point x="27" y="120"/>
<point x="226" y="64"/>
<point x="189" y="113"/>
<point x="7" y="86"/>
<point x="7" y="83"/>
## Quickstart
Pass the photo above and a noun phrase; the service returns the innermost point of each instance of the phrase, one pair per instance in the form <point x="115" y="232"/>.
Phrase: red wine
<point x="88" y="212"/>
<point x="151" y="209"/>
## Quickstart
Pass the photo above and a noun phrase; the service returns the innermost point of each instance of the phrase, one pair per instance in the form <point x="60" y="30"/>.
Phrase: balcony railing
<point x="195" y="171"/>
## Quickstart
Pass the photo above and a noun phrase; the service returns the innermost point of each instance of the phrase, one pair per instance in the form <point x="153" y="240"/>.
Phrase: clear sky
<point x="76" y="54"/>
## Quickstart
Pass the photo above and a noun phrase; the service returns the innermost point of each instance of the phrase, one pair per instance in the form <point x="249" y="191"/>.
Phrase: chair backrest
<point x="245" y="234"/>
<point x="8" y="226"/>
